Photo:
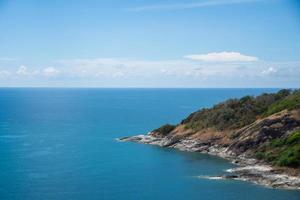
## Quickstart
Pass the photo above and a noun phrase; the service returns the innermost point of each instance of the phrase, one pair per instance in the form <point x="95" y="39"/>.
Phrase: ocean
<point x="61" y="144"/>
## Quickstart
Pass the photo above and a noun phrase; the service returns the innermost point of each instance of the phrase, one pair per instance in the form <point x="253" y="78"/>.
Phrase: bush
<point x="282" y="152"/>
<point x="294" y="138"/>
<point x="165" y="129"/>
<point x="289" y="102"/>
<point x="290" y="157"/>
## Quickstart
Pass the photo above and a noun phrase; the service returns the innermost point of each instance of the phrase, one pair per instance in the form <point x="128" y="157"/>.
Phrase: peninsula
<point x="261" y="135"/>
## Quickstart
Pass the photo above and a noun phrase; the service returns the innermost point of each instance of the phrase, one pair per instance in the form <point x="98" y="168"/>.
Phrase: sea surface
<point x="61" y="144"/>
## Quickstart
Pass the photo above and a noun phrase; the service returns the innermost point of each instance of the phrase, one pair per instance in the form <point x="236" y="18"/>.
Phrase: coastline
<point x="248" y="169"/>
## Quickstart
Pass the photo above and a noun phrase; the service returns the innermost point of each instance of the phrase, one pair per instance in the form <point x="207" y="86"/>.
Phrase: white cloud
<point x="222" y="57"/>
<point x="199" y="4"/>
<point x="4" y="73"/>
<point x="120" y="67"/>
<point x="50" y="72"/>
<point x="269" y="71"/>
<point x="126" y="72"/>
<point x="118" y="75"/>
<point x="132" y="68"/>
<point x="22" y="70"/>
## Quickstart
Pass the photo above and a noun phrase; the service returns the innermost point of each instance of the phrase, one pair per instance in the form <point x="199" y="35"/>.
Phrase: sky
<point x="150" y="43"/>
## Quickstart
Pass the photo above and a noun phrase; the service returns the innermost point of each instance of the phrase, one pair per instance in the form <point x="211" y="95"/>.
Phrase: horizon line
<point x="59" y="87"/>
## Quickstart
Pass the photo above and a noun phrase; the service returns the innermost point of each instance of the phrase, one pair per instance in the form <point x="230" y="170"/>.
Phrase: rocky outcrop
<point x="238" y="146"/>
<point x="251" y="137"/>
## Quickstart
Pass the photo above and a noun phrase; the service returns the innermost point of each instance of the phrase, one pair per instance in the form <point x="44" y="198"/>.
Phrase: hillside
<point x="260" y="134"/>
<point x="265" y="127"/>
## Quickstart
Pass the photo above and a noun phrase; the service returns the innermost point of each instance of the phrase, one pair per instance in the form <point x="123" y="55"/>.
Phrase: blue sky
<point x="150" y="43"/>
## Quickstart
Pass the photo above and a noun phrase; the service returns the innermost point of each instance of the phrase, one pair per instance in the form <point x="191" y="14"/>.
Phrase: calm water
<point x="60" y="144"/>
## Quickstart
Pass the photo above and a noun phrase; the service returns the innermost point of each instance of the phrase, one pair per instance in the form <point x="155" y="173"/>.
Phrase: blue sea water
<point x="60" y="144"/>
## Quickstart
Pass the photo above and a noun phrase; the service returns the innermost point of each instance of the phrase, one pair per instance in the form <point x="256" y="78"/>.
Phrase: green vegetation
<point x="282" y="152"/>
<point x="236" y="113"/>
<point x="165" y="129"/>
<point x="290" y="102"/>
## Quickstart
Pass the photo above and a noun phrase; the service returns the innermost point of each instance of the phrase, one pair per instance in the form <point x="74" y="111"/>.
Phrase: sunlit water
<point x="60" y="144"/>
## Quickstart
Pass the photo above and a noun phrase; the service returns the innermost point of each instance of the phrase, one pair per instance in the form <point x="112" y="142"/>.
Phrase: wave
<point x="211" y="177"/>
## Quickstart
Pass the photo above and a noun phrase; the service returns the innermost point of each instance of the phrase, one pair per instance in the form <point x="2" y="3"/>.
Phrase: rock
<point x="249" y="170"/>
<point x="239" y="149"/>
<point x="231" y="176"/>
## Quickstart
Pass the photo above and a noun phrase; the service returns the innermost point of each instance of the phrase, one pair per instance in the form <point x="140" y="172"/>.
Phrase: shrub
<point x="289" y="102"/>
<point x="293" y="138"/>
<point x="165" y="129"/>
<point x="282" y="152"/>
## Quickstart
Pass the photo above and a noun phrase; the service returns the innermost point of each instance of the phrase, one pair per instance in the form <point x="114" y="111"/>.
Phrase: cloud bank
<point x="217" y="69"/>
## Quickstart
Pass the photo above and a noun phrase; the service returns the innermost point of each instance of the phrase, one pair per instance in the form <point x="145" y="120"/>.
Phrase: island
<point x="260" y="134"/>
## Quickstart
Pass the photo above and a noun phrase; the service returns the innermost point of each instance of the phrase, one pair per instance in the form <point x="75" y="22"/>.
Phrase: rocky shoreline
<point x="248" y="169"/>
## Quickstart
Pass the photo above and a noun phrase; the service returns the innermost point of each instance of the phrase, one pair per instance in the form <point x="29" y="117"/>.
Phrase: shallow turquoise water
<point x="60" y="144"/>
